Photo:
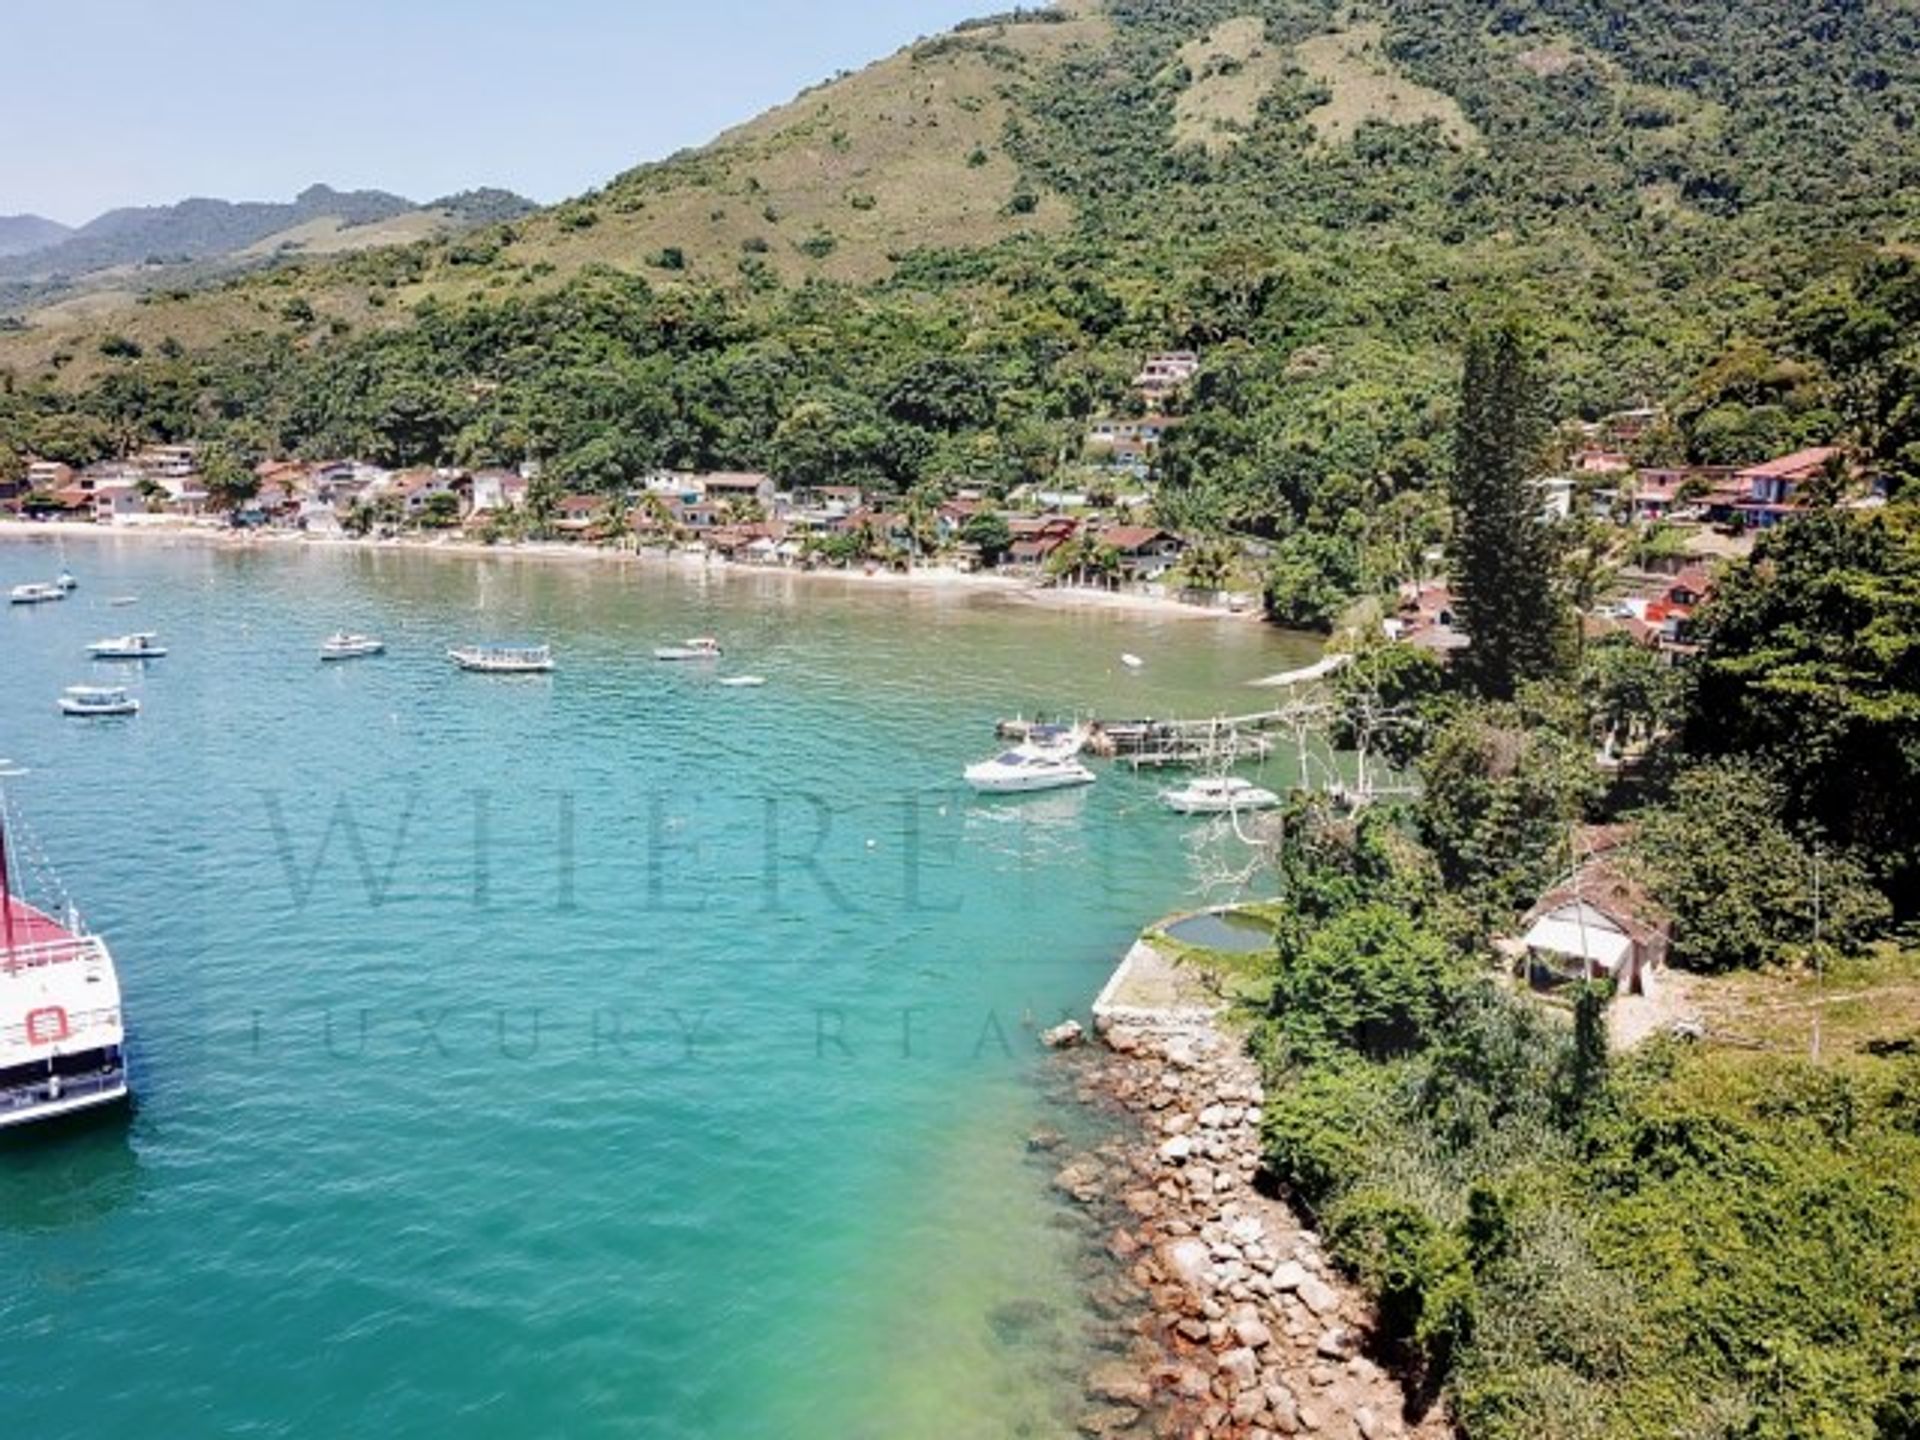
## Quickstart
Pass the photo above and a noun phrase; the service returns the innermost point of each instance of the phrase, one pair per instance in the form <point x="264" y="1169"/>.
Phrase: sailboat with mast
<point x="62" y="1035"/>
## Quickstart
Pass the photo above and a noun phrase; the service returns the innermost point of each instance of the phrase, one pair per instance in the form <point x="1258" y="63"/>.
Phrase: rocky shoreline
<point x="1221" y="1313"/>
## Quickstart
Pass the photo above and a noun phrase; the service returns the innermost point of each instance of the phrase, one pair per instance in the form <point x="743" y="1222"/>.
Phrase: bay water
<point x="613" y="1053"/>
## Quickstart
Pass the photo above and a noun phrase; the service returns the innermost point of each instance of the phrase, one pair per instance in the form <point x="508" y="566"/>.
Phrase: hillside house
<point x="1166" y="373"/>
<point x="1624" y="429"/>
<point x="1774" y="491"/>
<point x="1428" y="618"/>
<point x="1126" y="441"/>
<point x="1598" y="924"/>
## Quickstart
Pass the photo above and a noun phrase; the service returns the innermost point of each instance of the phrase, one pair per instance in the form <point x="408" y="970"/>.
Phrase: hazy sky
<point x="125" y="102"/>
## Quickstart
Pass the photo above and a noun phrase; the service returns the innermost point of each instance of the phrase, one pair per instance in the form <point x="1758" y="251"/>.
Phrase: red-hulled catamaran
<point x="62" y="1040"/>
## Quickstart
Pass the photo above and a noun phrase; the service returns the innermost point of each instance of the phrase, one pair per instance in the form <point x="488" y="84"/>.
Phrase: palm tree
<point x="1211" y="565"/>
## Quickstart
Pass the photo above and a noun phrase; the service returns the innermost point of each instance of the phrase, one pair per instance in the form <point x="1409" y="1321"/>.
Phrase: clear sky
<point x="141" y="102"/>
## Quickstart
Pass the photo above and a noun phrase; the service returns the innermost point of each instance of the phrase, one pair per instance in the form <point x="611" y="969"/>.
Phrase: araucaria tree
<point x="1502" y="551"/>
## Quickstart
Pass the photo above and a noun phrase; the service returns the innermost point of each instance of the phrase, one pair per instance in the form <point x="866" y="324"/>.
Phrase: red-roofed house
<point x="1773" y="489"/>
<point x="1146" y="551"/>
<point x="1035" y="537"/>
<point x="577" y="514"/>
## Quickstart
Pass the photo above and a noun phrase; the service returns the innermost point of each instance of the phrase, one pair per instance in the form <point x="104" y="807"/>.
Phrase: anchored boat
<point x="35" y="594"/>
<point x="504" y="659"/>
<point x="143" y="646"/>
<point x="1050" y="764"/>
<point x="89" y="701"/>
<point x="62" y="1035"/>
<point x="704" y="647"/>
<point x="1222" y="795"/>
<point x="350" y="647"/>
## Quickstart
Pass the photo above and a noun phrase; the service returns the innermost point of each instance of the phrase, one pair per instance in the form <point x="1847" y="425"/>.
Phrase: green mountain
<point x="164" y="246"/>
<point x="938" y="267"/>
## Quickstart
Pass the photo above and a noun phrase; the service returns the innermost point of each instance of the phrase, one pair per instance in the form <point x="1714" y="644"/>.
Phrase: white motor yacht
<point x="504" y="659"/>
<point x="97" y="700"/>
<point x="1029" y="768"/>
<point x="1219" y="795"/>
<point x="344" y="646"/>
<point x="142" y="646"/>
<point x="704" y="647"/>
<point x="35" y="594"/>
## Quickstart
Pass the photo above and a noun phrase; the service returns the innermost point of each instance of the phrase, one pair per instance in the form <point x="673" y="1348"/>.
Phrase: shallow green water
<point x="638" y="1057"/>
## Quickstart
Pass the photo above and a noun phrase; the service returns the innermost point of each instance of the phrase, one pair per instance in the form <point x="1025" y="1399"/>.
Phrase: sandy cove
<point x="931" y="581"/>
<point x="1224" y="1316"/>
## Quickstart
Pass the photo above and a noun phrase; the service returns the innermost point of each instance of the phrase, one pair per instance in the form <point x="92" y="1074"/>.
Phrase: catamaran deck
<point x="30" y="931"/>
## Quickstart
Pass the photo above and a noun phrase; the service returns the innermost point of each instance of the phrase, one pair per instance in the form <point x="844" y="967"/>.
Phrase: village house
<point x="187" y="496"/>
<point x="495" y="490"/>
<point x="1128" y="442"/>
<point x="1147" y="553"/>
<point x="117" y="500"/>
<point x="164" y="462"/>
<point x="1598" y="924"/>
<point x="1774" y="490"/>
<point x="671" y="513"/>
<point x="48" y="475"/>
<point x="1428" y="618"/>
<point x="415" y="489"/>
<point x="1036" y="537"/>
<point x="1166" y="373"/>
<point x="831" y="500"/>
<point x="739" y="490"/>
<point x="577" y="514"/>
<point x="954" y="516"/>
<point x="1624" y="429"/>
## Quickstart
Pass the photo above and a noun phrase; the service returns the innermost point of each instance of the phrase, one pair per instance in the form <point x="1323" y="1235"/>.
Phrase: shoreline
<point x="1225" y="1318"/>
<point x="930" y="581"/>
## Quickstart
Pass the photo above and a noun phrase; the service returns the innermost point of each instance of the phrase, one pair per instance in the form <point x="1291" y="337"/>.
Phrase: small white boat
<point x="120" y="602"/>
<point x="744" y="682"/>
<point x="65" y="583"/>
<point x="1028" y="768"/>
<point x="35" y="594"/>
<point x="703" y="647"/>
<point x="504" y="659"/>
<point x="97" y="700"/>
<point x="344" y="646"/>
<point x="142" y="646"/>
<point x="1221" y="795"/>
<point x="1133" y="662"/>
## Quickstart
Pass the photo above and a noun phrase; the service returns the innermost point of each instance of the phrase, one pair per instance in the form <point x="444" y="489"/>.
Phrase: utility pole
<point x="1819" y="960"/>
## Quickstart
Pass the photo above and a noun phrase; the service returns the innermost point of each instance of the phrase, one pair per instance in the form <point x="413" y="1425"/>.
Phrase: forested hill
<point x="937" y="267"/>
<point x="21" y="233"/>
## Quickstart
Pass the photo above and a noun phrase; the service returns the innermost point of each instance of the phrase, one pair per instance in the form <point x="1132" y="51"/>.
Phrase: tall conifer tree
<point x="1502" y="561"/>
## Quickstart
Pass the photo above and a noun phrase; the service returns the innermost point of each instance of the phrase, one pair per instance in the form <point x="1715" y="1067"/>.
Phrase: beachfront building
<point x="497" y="490"/>
<point x="1147" y="553"/>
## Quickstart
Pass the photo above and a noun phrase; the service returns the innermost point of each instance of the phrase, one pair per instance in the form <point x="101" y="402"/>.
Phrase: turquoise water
<point x="608" y="1054"/>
